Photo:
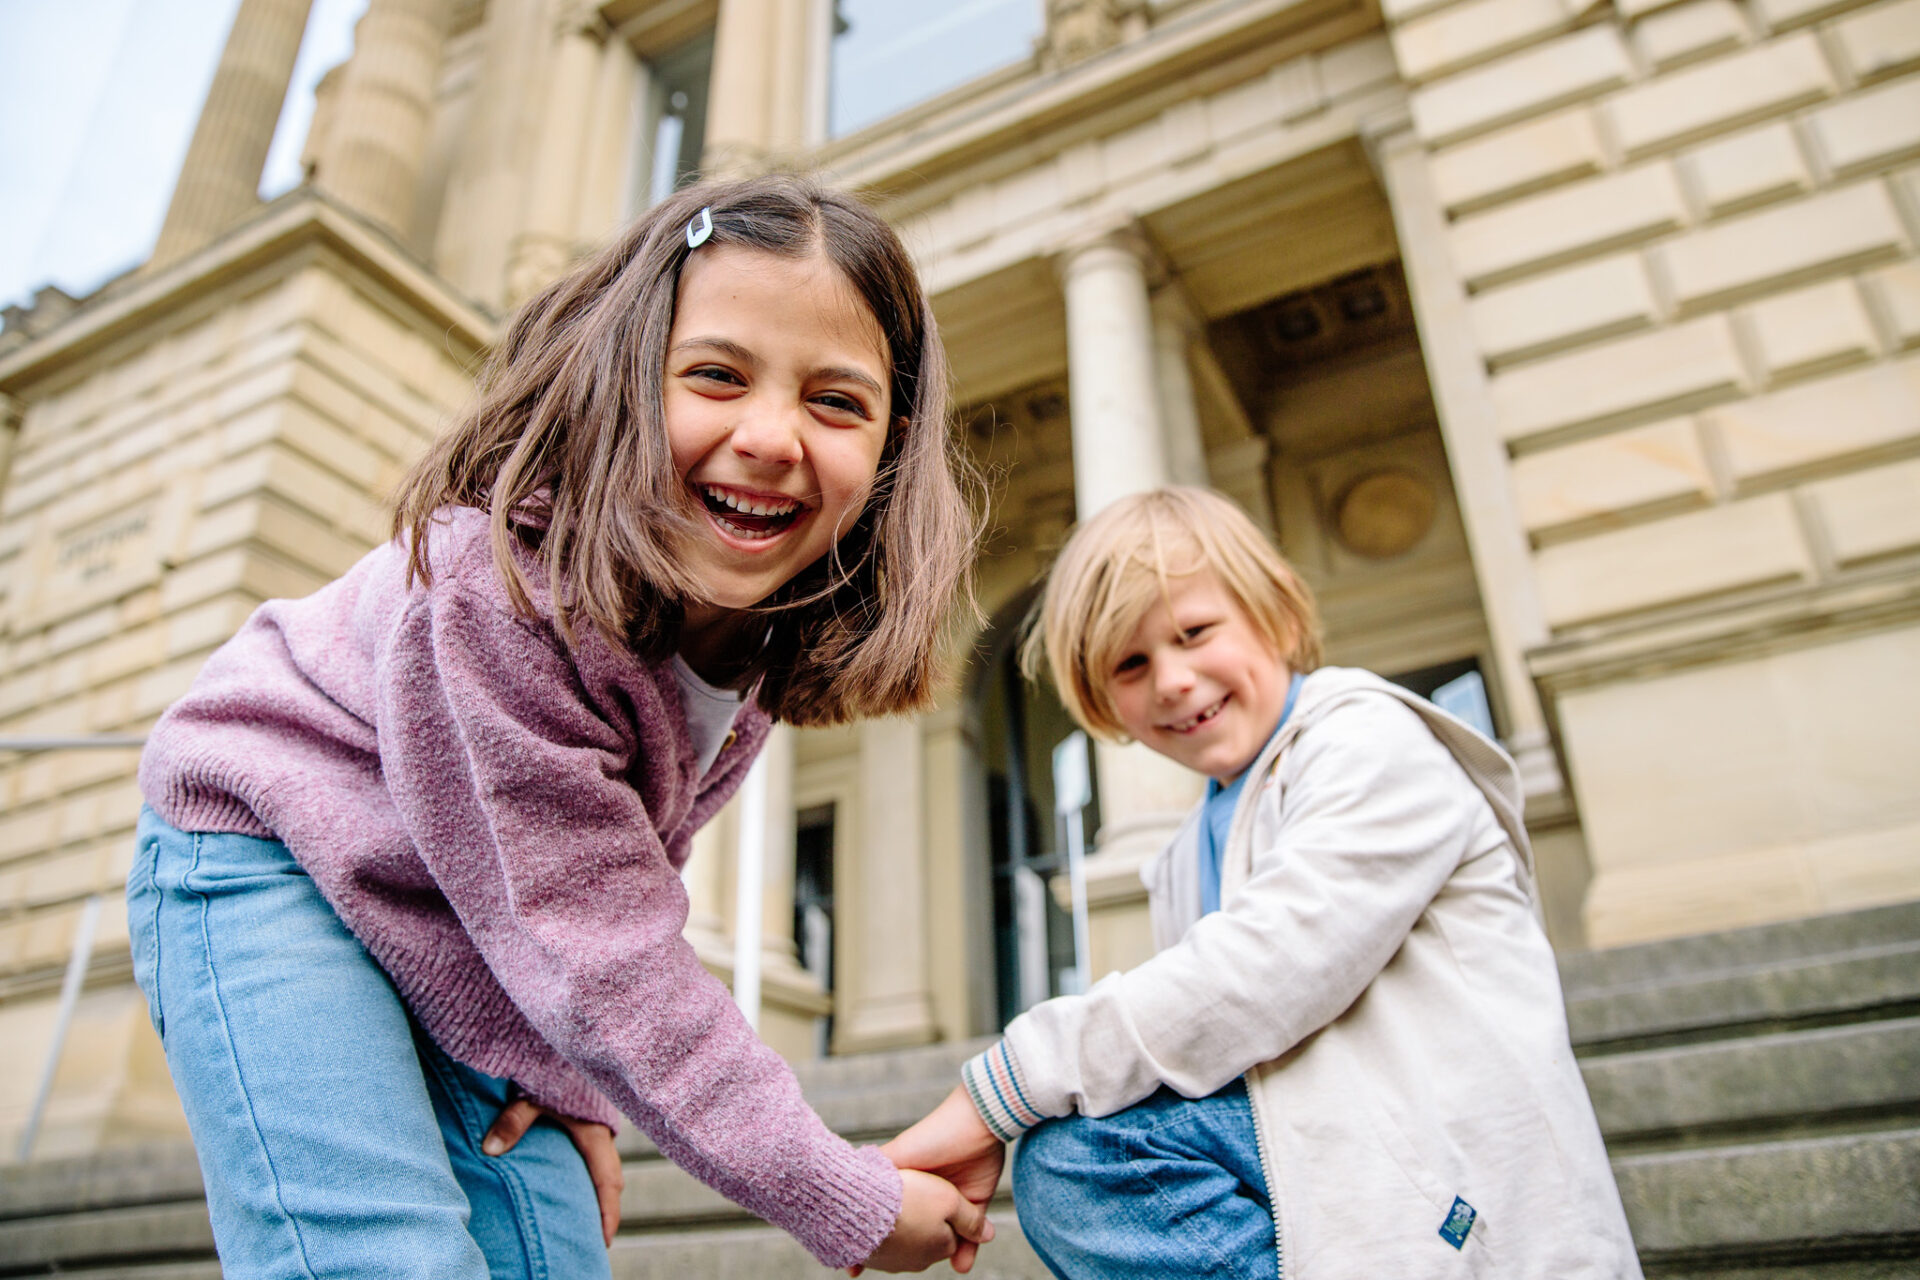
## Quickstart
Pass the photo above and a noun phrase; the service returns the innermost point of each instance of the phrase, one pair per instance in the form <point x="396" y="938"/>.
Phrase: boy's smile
<point x="1197" y="681"/>
<point x="776" y="406"/>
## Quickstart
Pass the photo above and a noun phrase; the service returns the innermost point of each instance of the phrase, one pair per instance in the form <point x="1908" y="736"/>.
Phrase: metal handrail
<point x="87" y="742"/>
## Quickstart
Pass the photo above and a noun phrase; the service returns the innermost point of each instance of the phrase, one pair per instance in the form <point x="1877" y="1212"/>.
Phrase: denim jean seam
<point x="226" y="1026"/>
<point x="150" y="946"/>
<point x="436" y="1061"/>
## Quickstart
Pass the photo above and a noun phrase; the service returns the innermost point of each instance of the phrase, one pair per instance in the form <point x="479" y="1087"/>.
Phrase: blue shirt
<point x="1217" y="818"/>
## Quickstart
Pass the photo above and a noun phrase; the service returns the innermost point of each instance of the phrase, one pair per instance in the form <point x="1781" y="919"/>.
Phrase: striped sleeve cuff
<point x="999" y="1094"/>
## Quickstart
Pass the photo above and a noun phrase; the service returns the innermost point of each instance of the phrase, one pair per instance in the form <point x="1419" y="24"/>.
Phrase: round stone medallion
<point x="1384" y="513"/>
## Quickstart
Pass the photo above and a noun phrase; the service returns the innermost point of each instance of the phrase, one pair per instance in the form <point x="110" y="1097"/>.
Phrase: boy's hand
<point x="955" y="1143"/>
<point x="951" y="1141"/>
<point x="935" y="1223"/>
<point x="594" y="1142"/>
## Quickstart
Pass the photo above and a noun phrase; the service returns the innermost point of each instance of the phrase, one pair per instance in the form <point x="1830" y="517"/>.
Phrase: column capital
<point x="1128" y="238"/>
<point x="581" y="18"/>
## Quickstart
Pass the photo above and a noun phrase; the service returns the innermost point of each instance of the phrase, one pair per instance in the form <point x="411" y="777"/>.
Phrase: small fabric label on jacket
<point x="1459" y="1222"/>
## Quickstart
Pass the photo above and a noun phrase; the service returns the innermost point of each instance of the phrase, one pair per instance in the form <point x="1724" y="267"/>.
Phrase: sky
<point x="102" y="98"/>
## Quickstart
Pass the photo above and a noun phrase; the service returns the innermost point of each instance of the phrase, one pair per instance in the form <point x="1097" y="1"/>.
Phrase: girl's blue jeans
<point x="1171" y="1186"/>
<point x="335" y="1139"/>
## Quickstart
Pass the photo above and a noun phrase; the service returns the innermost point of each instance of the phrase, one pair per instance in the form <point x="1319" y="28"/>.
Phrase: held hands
<point x="593" y="1141"/>
<point x="935" y="1222"/>
<point x="953" y="1144"/>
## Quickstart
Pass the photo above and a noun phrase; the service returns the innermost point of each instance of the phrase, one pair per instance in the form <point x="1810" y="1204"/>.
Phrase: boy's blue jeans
<point x="334" y="1138"/>
<point x="1171" y="1186"/>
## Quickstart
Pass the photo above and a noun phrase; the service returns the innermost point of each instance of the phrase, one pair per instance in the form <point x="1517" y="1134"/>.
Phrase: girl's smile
<point x="776" y="403"/>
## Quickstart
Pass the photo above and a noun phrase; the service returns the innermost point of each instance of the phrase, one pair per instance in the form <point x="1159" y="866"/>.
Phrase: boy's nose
<point x="1171" y="679"/>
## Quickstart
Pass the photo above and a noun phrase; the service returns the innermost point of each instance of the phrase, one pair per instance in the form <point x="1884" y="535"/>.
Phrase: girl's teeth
<point x="752" y="506"/>
<point x="1198" y="720"/>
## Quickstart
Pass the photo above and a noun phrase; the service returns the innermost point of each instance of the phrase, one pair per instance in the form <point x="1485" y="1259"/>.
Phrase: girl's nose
<point x="767" y="435"/>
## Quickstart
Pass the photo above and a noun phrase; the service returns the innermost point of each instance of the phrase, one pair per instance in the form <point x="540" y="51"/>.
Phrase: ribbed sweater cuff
<point x="999" y="1092"/>
<point x="846" y="1217"/>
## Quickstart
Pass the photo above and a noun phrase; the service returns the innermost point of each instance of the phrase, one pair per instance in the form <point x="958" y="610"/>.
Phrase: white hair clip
<point x="700" y="228"/>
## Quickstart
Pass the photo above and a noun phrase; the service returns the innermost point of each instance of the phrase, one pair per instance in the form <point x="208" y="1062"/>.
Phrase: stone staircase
<point x="1759" y="1089"/>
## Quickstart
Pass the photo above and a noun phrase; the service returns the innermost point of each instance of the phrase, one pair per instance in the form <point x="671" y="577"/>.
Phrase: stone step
<point x="1731" y="950"/>
<point x="1824" y="1079"/>
<point x="1840" y="1198"/>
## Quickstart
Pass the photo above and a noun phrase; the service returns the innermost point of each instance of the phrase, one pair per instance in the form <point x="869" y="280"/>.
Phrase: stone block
<point x="1522" y="159"/>
<point x="1582" y="220"/>
<point x="1685" y="557"/>
<point x="1879" y="42"/>
<point x="1875" y="129"/>
<point x="1871" y="513"/>
<point x="1824" y="234"/>
<point x="1356" y="66"/>
<point x="1821" y="425"/>
<point x="1641" y="376"/>
<point x="1898" y="289"/>
<point x="1544" y="313"/>
<point x="1748" y="169"/>
<point x="1570" y="69"/>
<point x="1473" y="32"/>
<point x="1619" y="475"/>
<point x="1688" y="32"/>
<point x="1809" y="330"/>
<point x="1724" y="94"/>
<point x="1779" y="15"/>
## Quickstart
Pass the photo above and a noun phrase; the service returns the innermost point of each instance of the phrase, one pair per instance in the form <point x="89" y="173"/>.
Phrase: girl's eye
<point x="1131" y="663"/>
<point x="1196" y="631"/>
<point x="841" y="402"/>
<point x="714" y="373"/>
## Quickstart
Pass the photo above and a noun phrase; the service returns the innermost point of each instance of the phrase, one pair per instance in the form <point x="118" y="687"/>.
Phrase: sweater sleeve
<point x="514" y="790"/>
<point x="1376" y="817"/>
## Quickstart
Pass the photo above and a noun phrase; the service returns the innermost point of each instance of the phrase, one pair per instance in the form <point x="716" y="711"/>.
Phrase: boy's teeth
<point x="753" y="506"/>
<point x="1198" y="719"/>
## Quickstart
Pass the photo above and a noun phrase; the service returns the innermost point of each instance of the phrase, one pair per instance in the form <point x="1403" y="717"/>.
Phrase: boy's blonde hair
<point x="1117" y="565"/>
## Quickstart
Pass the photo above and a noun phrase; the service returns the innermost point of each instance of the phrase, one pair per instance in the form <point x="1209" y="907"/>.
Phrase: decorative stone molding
<point x="1080" y="29"/>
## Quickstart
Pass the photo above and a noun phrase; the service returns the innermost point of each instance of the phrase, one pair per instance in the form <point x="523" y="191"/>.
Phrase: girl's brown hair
<point x="1116" y="566"/>
<point x="568" y="423"/>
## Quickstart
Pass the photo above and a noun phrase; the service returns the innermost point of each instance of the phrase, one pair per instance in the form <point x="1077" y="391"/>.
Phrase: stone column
<point x="611" y="156"/>
<point x="546" y="244"/>
<point x="1120" y="446"/>
<point x="886" y="980"/>
<point x="1176" y="328"/>
<point x="1119" y="437"/>
<point x="378" y="135"/>
<point x="776" y="921"/>
<point x="1475" y="451"/>
<point x="767" y="81"/>
<point x="220" y="178"/>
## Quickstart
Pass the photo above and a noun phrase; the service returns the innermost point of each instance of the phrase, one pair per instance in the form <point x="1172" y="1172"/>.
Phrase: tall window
<point x="890" y="54"/>
<point x="674" y="121"/>
<point x="1021" y="723"/>
<point x="813" y="902"/>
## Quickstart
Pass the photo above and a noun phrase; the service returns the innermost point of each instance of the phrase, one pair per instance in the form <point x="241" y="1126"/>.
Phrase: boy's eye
<point x="1131" y="663"/>
<point x="1196" y="631"/>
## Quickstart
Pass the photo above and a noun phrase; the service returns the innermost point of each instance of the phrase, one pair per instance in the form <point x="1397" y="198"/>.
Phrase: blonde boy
<point x="1349" y="1057"/>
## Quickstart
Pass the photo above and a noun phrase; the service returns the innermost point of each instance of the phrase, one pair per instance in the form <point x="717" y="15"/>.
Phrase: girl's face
<point x="775" y="391"/>
<point x="1198" y="682"/>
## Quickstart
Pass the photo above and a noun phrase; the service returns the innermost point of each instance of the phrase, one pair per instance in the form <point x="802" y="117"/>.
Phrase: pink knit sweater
<point x="501" y="819"/>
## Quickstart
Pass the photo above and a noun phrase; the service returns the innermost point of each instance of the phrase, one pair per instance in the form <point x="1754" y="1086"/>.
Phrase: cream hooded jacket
<point x="1379" y="975"/>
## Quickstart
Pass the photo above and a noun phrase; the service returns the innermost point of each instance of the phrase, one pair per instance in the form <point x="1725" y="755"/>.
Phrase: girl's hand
<point x="594" y="1141"/>
<point x="935" y="1222"/>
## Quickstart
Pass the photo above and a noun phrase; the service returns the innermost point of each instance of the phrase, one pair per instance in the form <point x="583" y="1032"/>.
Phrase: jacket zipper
<point x="1254" y="1094"/>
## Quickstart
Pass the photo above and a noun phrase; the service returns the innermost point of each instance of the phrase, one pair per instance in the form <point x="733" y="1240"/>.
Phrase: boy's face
<point x="1197" y="682"/>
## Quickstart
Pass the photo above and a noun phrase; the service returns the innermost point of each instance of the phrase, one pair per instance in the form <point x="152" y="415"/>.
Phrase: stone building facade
<point x="1571" y="349"/>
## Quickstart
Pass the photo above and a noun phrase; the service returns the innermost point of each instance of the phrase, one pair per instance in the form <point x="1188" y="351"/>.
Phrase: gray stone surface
<point x="1760" y="1091"/>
